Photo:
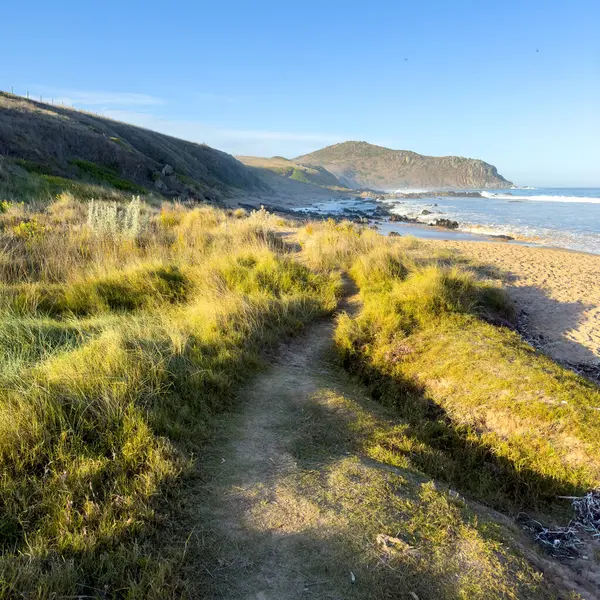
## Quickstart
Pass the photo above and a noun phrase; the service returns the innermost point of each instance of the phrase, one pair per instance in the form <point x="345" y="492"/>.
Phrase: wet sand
<point x="557" y="293"/>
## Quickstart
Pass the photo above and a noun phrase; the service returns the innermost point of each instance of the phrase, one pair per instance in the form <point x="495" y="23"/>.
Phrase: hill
<point x="314" y="175"/>
<point x="54" y="144"/>
<point x="363" y="165"/>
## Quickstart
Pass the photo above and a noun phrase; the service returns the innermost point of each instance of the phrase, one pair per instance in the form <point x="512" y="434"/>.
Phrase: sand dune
<point x="557" y="294"/>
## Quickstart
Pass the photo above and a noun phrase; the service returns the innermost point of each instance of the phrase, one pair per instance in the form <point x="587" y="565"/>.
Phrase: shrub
<point x="108" y="175"/>
<point x="112" y="218"/>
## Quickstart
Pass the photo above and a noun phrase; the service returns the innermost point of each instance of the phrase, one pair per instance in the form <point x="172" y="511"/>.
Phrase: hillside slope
<point x="284" y="167"/>
<point x="363" y="165"/>
<point x="56" y="142"/>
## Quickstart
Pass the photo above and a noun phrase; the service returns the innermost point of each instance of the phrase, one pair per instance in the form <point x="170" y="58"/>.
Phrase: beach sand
<point x="557" y="294"/>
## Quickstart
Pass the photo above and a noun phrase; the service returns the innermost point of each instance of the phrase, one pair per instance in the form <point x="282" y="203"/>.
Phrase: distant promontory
<point x="363" y="165"/>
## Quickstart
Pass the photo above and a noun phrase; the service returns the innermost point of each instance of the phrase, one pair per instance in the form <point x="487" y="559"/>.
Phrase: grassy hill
<point x="314" y="175"/>
<point x="48" y="149"/>
<point x="363" y="165"/>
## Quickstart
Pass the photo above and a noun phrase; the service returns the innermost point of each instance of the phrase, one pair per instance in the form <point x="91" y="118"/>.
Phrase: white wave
<point x="539" y="235"/>
<point x="542" y="198"/>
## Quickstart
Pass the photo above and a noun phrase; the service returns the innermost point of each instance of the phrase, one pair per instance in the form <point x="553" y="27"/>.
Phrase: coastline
<point x="553" y="288"/>
<point x="429" y="220"/>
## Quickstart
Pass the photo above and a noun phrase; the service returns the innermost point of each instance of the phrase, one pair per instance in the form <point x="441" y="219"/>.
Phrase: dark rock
<point x="393" y="234"/>
<point x="447" y="223"/>
<point x="400" y="219"/>
<point x="425" y="212"/>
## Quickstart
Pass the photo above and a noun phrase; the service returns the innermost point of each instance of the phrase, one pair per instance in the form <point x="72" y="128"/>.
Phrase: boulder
<point x="400" y="219"/>
<point x="167" y="170"/>
<point x="447" y="223"/>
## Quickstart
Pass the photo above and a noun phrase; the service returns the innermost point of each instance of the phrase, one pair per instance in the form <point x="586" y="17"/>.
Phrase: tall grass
<point x="120" y="344"/>
<point x="117" y="351"/>
<point x="479" y="408"/>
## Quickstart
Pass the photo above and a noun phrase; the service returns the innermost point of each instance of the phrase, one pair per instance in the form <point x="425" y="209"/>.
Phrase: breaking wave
<point x="542" y="198"/>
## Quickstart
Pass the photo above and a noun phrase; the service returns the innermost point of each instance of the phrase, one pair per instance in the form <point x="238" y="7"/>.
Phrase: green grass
<point x="107" y="175"/>
<point x="439" y="546"/>
<point x="33" y="167"/>
<point x="119" y="354"/>
<point x="112" y="370"/>
<point x="479" y="408"/>
<point x="120" y="142"/>
<point x="27" y="181"/>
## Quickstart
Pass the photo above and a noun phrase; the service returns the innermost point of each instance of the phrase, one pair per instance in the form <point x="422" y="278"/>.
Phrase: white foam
<point x="542" y="198"/>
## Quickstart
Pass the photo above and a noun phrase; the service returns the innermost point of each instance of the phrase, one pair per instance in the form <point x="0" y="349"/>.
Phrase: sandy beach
<point x="557" y="293"/>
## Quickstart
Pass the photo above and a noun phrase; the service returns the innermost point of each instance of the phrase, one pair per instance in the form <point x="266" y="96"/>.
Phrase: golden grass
<point x="118" y="351"/>
<point x="482" y="409"/>
<point x="120" y="346"/>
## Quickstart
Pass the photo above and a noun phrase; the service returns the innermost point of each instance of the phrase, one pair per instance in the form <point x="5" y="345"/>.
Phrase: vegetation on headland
<point x="126" y="329"/>
<point x="293" y="170"/>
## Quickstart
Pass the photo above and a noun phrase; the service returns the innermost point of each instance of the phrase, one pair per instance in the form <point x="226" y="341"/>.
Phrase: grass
<point x="36" y="183"/>
<point x="479" y="408"/>
<point x="410" y="533"/>
<point x="117" y="353"/>
<point x="107" y="175"/>
<point x="121" y="347"/>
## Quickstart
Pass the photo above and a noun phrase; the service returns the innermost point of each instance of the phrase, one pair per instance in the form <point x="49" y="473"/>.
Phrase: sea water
<point x="563" y="217"/>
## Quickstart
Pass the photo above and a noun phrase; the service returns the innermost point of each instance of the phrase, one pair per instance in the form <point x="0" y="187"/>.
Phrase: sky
<point x="515" y="83"/>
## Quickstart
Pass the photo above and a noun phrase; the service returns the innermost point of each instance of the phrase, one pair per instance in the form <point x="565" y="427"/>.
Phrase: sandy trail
<point x="291" y="510"/>
<point x="557" y="294"/>
<point x="270" y="543"/>
<point x="268" y="535"/>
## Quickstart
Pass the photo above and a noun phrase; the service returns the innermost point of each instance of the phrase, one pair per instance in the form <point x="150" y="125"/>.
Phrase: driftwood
<point x="565" y="542"/>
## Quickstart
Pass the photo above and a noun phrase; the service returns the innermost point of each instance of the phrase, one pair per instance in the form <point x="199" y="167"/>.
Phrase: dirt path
<point x="294" y="509"/>
<point x="270" y="545"/>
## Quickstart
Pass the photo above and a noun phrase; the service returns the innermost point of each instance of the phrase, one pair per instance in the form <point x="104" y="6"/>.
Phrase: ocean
<point x="562" y="217"/>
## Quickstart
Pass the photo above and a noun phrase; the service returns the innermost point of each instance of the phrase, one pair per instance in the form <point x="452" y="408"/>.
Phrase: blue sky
<point x="516" y="83"/>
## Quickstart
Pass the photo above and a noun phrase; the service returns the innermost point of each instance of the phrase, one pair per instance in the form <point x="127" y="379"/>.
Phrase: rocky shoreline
<point x="380" y="214"/>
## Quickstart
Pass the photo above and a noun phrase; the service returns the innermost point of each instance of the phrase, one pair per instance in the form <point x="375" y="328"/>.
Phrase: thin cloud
<point x="97" y="98"/>
<point x="234" y="97"/>
<point x="265" y="143"/>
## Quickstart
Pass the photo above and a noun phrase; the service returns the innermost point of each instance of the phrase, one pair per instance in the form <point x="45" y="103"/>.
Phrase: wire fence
<point x="50" y="101"/>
